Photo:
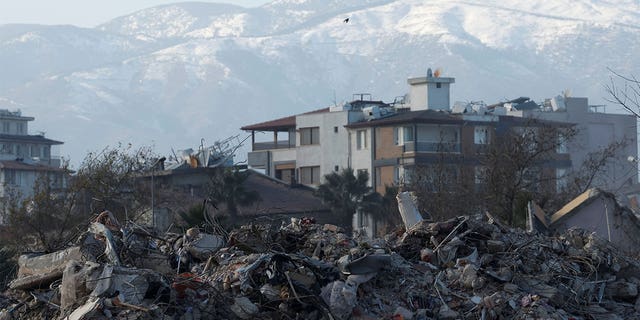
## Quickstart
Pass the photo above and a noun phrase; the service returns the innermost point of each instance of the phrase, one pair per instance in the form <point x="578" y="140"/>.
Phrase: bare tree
<point x="624" y="91"/>
<point x="50" y="217"/>
<point x="44" y="220"/>
<point x="515" y="166"/>
<point x="440" y="186"/>
<point x="107" y="180"/>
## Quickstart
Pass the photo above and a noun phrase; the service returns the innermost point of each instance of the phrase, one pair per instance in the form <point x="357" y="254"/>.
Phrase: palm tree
<point x="344" y="192"/>
<point x="228" y="188"/>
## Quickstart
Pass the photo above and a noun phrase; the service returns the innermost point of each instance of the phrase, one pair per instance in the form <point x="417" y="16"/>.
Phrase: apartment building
<point x="390" y="141"/>
<point x="25" y="157"/>
<point x="596" y="130"/>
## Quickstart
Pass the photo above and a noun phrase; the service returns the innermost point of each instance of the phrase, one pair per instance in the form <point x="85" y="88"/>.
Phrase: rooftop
<point x="281" y="124"/>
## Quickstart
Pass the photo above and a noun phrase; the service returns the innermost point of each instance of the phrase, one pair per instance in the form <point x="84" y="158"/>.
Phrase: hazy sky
<point x="83" y="13"/>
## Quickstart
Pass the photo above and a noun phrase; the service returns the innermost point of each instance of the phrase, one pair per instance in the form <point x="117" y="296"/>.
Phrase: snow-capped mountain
<point x="172" y="75"/>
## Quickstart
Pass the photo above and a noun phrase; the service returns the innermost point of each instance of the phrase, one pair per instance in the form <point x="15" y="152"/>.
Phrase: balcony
<point x="282" y="144"/>
<point x="264" y="159"/>
<point x="431" y="147"/>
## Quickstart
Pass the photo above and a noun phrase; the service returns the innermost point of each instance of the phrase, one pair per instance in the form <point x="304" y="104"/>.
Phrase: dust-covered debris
<point x="469" y="267"/>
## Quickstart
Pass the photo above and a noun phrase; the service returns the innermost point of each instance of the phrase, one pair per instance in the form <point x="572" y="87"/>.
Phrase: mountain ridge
<point x="204" y="75"/>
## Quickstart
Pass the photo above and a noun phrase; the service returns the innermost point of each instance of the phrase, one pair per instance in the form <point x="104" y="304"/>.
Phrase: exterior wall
<point x="386" y="178"/>
<point x="600" y="216"/>
<point x="425" y="94"/>
<point x="11" y="150"/>
<point x="418" y="94"/>
<point x="591" y="217"/>
<point x="467" y="145"/>
<point x="362" y="159"/>
<point x="438" y="98"/>
<point x="24" y="181"/>
<point x="279" y="156"/>
<point x="20" y="154"/>
<point x="333" y="147"/>
<point x="385" y="147"/>
<point x="595" y="131"/>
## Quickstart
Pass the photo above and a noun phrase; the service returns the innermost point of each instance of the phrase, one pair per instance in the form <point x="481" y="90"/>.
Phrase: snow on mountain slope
<point x="174" y="74"/>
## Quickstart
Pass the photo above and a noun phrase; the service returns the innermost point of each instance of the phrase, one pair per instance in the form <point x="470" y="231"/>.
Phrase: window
<point x="12" y="177"/>
<point x="402" y="175"/>
<point x="438" y="85"/>
<point x="35" y="151"/>
<point x="361" y="139"/>
<point x="561" y="147"/>
<point x="335" y="129"/>
<point x="561" y="179"/>
<point x="20" y="127"/>
<point x="396" y="175"/>
<point x="310" y="175"/>
<point x="309" y="136"/>
<point x="481" y="135"/>
<point x="6" y="127"/>
<point x="402" y="135"/>
<point x="6" y="148"/>
<point x="46" y="152"/>
<point x="19" y="152"/>
<point x="407" y="175"/>
<point x="336" y="168"/>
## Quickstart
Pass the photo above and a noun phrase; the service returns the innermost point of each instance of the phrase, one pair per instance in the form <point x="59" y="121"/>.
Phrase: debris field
<point x="470" y="267"/>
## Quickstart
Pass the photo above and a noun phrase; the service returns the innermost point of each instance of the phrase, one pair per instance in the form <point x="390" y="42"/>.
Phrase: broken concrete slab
<point x="39" y="271"/>
<point x="30" y="264"/>
<point x="408" y="209"/>
<point x="75" y="278"/>
<point x="131" y="283"/>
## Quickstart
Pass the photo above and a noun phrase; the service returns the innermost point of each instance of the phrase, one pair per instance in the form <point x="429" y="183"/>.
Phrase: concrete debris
<point x="408" y="207"/>
<point x="469" y="267"/>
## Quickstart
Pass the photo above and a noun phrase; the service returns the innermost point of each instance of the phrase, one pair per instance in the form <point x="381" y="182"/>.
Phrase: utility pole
<point x="153" y="186"/>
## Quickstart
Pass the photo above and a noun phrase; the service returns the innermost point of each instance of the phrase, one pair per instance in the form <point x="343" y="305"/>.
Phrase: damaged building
<point x="595" y="211"/>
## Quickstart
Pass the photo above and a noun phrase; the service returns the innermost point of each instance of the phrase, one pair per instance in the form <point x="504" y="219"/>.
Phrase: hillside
<point x="173" y="74"/>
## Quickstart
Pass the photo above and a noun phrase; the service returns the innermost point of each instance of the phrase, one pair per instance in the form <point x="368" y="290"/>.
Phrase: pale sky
<point x="84" y="13"/>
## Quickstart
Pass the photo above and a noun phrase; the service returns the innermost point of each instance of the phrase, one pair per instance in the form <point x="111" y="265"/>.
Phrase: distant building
<point x="25" y="157"/>
<point x="388" y="141"/>
<point x="596" y="131"/>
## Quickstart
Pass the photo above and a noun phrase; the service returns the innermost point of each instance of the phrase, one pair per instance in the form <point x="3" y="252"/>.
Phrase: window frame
<point x="309" y="136"/>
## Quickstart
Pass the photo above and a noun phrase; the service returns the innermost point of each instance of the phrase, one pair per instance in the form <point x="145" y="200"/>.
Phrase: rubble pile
<point x="470" y="267"/>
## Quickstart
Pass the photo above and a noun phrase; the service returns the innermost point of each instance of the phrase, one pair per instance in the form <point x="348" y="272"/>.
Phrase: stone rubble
<point x="469" y="267"/>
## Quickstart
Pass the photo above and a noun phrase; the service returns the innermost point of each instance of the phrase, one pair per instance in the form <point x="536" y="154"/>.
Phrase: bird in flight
<point x="346" y="20"/>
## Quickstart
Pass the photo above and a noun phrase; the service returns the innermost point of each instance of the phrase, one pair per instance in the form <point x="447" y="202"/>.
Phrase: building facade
<point x="596" y="131"/>
<point x="25" y="157"/>
<point x="390" y="141"/>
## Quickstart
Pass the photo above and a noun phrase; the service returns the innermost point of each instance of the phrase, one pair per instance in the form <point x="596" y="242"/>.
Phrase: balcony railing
<point x="430" y="147"/>
<point x="284" y="144"/>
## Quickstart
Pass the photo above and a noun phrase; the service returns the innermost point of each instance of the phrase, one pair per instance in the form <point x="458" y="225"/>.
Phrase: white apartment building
<point x="25" y="157"/>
